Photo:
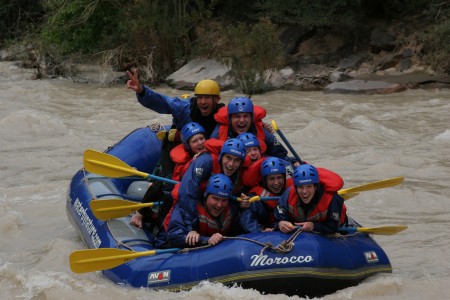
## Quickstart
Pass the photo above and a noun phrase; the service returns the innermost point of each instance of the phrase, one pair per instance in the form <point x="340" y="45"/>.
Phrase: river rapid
<point x="46" y="125"/>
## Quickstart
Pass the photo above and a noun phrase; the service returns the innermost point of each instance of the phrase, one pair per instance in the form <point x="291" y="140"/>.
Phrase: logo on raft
<point x="264" y="260"/>
<point x="371" y="257"/>
<point x="158" y="277"/>
<point x="87" y="222"/>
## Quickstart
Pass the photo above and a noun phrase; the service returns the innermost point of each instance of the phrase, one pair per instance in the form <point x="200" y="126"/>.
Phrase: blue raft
<point x="316" y="265"/>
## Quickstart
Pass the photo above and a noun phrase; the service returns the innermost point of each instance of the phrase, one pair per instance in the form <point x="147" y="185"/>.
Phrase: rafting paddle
<point x="106" y="209"/>
<point x="90" y="260"/>
<point x="275" y="127"/>
<point x="373" y="185"/>
<point x="383" y="230"/>
<point x="111" y="166"/>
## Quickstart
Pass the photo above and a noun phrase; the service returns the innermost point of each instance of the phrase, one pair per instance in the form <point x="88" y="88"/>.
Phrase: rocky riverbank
<point x="392" y="62"/>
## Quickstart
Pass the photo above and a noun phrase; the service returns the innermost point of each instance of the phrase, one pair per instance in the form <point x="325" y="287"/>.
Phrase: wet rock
<point x="198" y="69"/>
<point x="351" y="62"/>
<point x="338" y="76"/>
<point x="387" y="62"/>
<point x="405" y="64"/>
<point x="308" y="60"/>
<point x="292" y="37"/>
<point x="407" y="53"/>
<point x="6" y="55"/>
<point x="364" y="87"/>
<point x="309" y="78"/>
<point x="281" y="78"/>
<point x="381" y="40"/>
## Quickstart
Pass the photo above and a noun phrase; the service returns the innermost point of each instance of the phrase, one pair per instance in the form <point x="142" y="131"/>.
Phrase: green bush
<point x="156" y="35"/>
<point x="80" y="25"/>
<point x="161" y="33"/>
<point x="437" y="47"/>
<point x="254" y="52"/>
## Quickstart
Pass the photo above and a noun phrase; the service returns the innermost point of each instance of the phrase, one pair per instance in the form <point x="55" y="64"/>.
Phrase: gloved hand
<point x="174" y="135"/>
<point x="161" y="135"/>
<point x="268" y="127"/>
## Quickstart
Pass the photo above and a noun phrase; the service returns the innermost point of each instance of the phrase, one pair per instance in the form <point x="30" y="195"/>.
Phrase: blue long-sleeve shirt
<point x="189" y="192"/>
<point x="253" y="217"/>
<point x="182" y="111"/>
<point x="178" y="108"/>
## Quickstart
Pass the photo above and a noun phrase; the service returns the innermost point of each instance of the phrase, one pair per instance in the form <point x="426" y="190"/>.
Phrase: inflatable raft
<point x="315" y="265"/>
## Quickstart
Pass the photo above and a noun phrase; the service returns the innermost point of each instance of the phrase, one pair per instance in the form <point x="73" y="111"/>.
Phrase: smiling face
<point x="253" y="152"/>
<point x="215" y="205"/>
<point x="275" y="183"/>
<point x="241" y="122"/>
<point x="306" y="192"/>
<point x="206" y="104"/>
<point x="197" y="143"/>
<point x="230" y="164"/>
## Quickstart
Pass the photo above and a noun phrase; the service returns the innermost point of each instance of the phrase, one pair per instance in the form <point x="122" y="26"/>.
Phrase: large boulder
<point x="279" y="79"/>
<point x="309" y="78"/>
<point x="187" y="76"/>
<point x="364" y="87"/>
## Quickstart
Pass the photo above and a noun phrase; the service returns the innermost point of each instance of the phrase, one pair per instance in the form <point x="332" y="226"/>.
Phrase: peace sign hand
<point x="134" y="83"/>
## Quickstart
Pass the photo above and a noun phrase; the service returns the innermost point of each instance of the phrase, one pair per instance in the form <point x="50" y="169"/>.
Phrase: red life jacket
<point x="331" y="183"/>
<point x="182" y="158"/>
<point x="251" y="175"/>
<point x="258" y="114"/>
<point x="208" y="225"/>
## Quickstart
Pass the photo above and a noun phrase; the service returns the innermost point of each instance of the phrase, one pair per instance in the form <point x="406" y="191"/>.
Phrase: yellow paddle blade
<point x="383" y="230"/>
<point x="349" y="195"/>
<point x="90" y="260"/>
<point x="108" y="165"/>
<point x="373" y="185"/>
<point x="252" y="199"/>
<point x="274" y="125"/>
<point x="106" y="209"/>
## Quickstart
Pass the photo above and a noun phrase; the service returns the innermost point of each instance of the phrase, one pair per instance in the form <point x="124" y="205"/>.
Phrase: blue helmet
<point x="249" y="140"/>
<point x="305" y="174"/>
<point x="189" y="130"/>
<point x="240" y="105"/>
<point x="219" y="185"/>
<point x="233" y="147"/>
<point x="271" y="166"/>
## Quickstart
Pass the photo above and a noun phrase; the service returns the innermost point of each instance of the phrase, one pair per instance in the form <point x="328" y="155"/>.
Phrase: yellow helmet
<point x="207" y="87"/>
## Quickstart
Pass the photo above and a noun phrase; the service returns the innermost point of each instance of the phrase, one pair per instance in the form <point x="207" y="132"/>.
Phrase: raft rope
<point x="285" y="246"/>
